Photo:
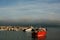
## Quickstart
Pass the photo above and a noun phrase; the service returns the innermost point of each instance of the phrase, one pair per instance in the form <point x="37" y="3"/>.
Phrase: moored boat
<point x="40" y="33"/>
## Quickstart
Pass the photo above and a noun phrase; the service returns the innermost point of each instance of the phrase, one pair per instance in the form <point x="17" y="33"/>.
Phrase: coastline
<point x="12" y="28"/>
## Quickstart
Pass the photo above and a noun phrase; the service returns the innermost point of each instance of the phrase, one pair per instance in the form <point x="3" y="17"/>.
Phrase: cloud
<point x="31" y="10"/>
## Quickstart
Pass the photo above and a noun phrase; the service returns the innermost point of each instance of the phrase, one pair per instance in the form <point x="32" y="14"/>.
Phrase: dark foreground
<point x="52" y="34"/>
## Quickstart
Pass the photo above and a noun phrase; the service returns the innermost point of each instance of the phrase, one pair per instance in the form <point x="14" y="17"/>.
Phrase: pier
<point x="13" y="28"/>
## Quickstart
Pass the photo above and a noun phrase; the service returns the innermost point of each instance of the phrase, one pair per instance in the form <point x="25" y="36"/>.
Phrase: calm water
<point x="52" y="34"/>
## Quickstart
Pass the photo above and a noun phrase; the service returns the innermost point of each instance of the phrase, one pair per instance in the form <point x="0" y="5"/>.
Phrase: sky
<point x="29" y="10"/>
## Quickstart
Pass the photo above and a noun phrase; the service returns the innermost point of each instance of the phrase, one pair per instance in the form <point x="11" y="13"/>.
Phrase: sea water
<point x="53" y="33"/>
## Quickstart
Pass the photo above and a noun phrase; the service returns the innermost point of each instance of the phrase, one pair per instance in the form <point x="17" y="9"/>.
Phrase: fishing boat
<point x="40" y="33"/>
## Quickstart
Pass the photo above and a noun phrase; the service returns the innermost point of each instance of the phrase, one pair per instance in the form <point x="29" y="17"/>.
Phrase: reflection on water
<point x="53" y="34"/>
<point x="44" y="38"/>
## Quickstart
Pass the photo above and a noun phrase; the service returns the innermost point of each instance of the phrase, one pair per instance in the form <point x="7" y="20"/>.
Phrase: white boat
<point x="29" y="29"/>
